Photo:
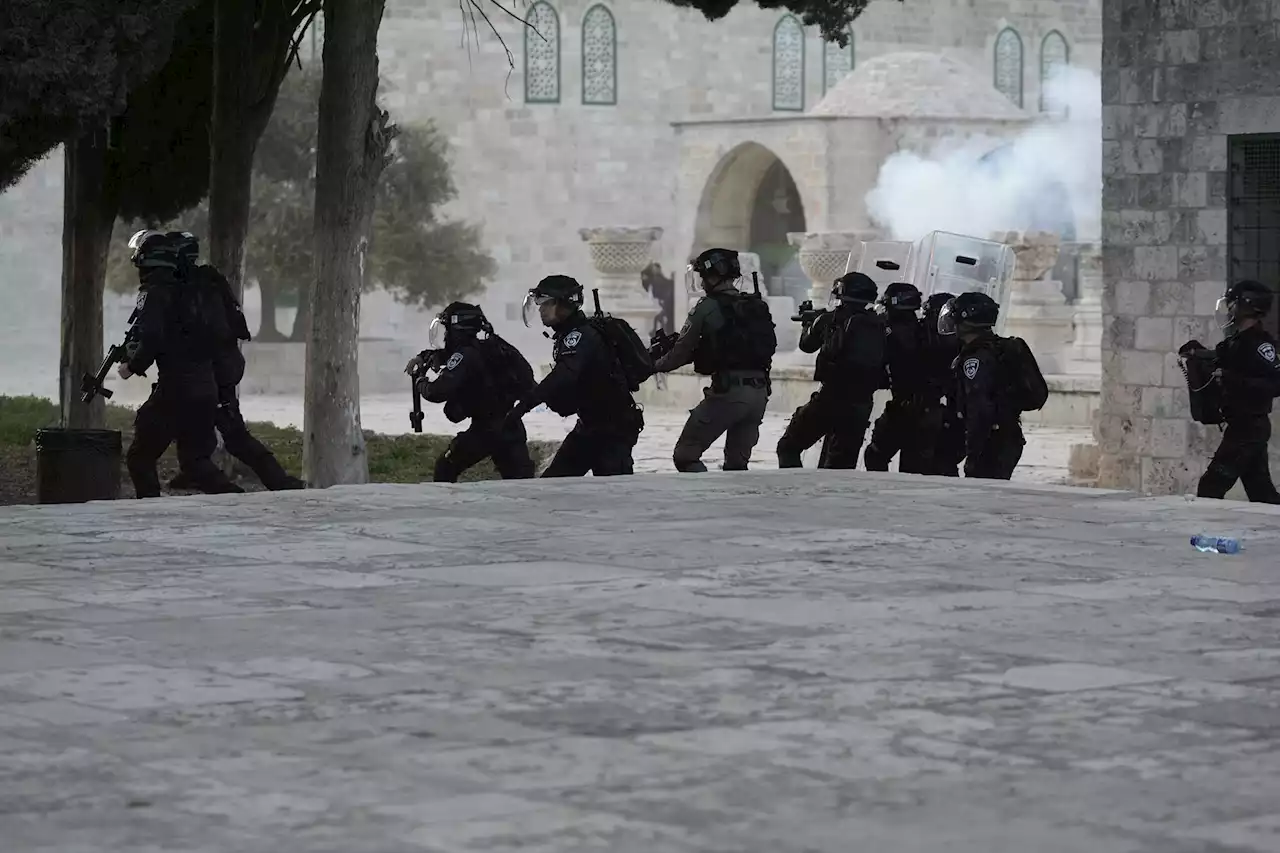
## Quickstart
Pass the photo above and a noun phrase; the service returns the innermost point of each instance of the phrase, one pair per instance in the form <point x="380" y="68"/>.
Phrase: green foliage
<point x="68" y="64"/>
<point x="833" y="17"/>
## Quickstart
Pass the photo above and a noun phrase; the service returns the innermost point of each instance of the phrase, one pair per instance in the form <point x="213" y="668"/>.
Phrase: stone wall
<point x="1178" y="78"/>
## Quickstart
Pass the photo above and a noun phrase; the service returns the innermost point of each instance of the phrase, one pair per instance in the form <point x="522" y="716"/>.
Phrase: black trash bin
<point x="77" y="465"/>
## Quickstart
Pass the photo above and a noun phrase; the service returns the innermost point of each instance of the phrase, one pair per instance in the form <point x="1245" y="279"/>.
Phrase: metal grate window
<point x="1253" y="212"/>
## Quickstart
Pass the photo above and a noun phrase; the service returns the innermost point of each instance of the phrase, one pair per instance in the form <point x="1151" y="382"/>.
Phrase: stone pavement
<point x="766" y="662"/>
<point x="1043" y="461"/>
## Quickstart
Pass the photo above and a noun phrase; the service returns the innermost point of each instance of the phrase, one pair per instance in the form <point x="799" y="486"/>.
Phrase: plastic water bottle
<point x="1215" y="544"/>
<point x="541" y="407"/>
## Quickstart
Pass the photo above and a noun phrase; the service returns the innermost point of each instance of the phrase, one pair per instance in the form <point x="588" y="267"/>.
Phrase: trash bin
<point x="77" y="465"/>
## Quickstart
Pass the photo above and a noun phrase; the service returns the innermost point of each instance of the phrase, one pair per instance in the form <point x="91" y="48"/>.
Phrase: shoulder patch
<point x="142" y="300"/>
<point x="970" y="367"/>
<point x="1267" y="351"/>
<point x="571" y="339"/>
<point x="454" y="361"/>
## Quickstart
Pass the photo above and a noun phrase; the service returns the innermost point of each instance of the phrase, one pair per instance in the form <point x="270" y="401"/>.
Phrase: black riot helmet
<point x="560" y="289"/>
<point x="459" y="321"/>
<point x="969" y="312"/>
<point x="1243" y="300"/>
<point x="934" y="304"/>
<point x="854" y="288"/>
<point x="186" y="245"/>
<point x="710" y="268"/>
<point x="901" y="296"/>
<point x="152" y="250"/>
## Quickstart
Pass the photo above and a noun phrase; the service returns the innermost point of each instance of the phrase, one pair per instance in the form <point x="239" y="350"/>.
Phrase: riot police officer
<point x="178" y="326"/>
<point x="228" y="370"/>
<point x="942" y="431"/>
<point x="850" y="342"/>
<point x="900" y="426"/>
<point x="728" y="336"/>
<point x="1249" y="376"/>
<point x="587" y="379"/>
<point x="985" y="401"/>
<point x="480" y="377"/>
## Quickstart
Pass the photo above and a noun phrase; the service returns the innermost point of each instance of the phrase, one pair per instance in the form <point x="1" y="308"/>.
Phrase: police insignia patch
<point x="1267" y="351"/>
<point x="454" y="361"/>
<point x="142" y="300"/>
<point x="571" y="339"/>
<point x="971" y="367"/>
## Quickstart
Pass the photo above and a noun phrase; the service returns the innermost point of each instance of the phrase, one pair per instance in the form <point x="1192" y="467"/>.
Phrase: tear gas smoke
<point x="1047" y="178"/>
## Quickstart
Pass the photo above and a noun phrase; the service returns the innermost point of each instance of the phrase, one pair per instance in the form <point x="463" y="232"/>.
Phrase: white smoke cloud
<point x="949" y="191"/>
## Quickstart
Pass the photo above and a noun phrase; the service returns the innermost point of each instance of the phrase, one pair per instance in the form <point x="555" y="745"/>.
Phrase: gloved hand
<point x="518" y="411"/>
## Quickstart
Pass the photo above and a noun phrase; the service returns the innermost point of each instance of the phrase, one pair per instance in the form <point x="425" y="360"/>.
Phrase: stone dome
<point x="917" y="85"/>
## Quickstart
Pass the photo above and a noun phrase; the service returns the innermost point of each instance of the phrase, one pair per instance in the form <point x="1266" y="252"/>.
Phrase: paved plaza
<point x="765" y="662"/>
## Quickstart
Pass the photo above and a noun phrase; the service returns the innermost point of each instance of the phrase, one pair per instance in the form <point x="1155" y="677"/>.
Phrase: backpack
<point x="510" y="370"/>
<point x="855" y="345"/>
<point x="212" y="277"/>
<point x="748" y="338"/>
<point x="633" y="355"/>
<point x="1030" y="391"/>
<point x="1205" y="395"/>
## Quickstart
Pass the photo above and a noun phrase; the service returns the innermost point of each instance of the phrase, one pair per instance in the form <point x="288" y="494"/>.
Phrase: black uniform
<point x="586" y="380"/>
<point x="228" y="368"/>
<point x="177" y="327"/>
<point x="992" y="420"/>
<point x="1250" y="380"/>
<point x="900" y="425"/>
<point x="481" y="380"/>
<point x="850" y="367"/>
<point x="942" y="434"/>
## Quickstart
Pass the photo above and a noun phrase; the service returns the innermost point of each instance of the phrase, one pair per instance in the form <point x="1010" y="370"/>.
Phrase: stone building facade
<point x="1191" y="152"/>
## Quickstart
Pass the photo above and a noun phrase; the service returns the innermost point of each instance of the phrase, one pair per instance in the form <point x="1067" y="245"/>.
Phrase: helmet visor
<point x="531" y="311"/>
<point x="693" y="282"/>
<point x="140" y="237"/>
<point x="947" y="319"/>
<point x="437" y="334"/>
<point x="1223" y="312"/>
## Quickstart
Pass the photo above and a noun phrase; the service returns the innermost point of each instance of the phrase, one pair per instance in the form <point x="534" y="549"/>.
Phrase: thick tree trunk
<point x="351" y="151"/>
<point x="231" y="146"/>
<point x="268" y="332"/>
<point x="89" y="211"/>
<point x="302" y="318"/>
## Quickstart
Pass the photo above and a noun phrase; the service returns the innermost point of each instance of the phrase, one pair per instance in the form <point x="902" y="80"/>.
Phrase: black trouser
<point x="1242" y="456"/>
<point x="1000" y="454"/>
<point x="508" y="445"/>
<point x="240" y="443"/>
<point x="948" y="445"/>
<point x="605" y="451"/>
<point x="169" y="414"/>
<point x="906" y="425"/>
<point x="834" y="416"/>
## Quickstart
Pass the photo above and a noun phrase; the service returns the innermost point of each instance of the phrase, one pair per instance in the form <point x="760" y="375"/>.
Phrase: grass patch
<point x="392" y="458"/>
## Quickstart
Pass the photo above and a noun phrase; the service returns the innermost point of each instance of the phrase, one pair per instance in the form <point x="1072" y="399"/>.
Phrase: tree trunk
<point x="268" y="332"/>
<point x="302" y="317"/>
<point x="88" y="213"/>
<point x="231" y="147"/>
<point x="351" y="147"/>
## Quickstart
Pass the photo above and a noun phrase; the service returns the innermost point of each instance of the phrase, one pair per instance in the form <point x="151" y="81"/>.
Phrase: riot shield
<point x="883" y="261"/>
<point x="954" y="263"/>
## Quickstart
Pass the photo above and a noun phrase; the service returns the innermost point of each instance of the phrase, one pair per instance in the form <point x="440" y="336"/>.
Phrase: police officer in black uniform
<point x="1249" y="374"/>
<point x="736" y="356"/>
<point x="942" y="431"/>
<point x="849" y="341"/>
<point x="178" y="326"/>
<point x="587" y="380"/>
<point x="228" y="370"/>
<point x="992" y="420"/>
<point x="900" y="426"/>
<point x="480" y="376"/>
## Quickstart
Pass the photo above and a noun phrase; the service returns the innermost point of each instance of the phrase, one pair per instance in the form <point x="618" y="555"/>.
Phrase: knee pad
<point x="445" y="471"/>
<point x="875" y="459"/>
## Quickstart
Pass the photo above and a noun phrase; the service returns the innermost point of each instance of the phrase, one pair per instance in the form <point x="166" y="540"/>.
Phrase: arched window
<point x="1054" y="55"/>
<point x="788" y="65"/>
<point x="1008" y="66"/>
<point x="542" y="55"/>
<point x="599" y="57"/>
<point x="837" y="61"/>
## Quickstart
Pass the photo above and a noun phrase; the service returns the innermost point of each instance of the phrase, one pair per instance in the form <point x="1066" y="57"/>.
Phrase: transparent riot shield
<point x="883" y="261"/>
<point x="953" y="263"/>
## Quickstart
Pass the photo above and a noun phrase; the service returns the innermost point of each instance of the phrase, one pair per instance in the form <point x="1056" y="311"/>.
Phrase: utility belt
<point x="721" y="382"/>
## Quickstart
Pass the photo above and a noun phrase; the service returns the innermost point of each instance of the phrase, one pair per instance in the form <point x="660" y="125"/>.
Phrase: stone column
<point x="618" y="256"/>
<point x="1085" y="354"/>
<point x="1037" y="311"/>
<point x="824" y="255"/>
<point x="780" y="307"/>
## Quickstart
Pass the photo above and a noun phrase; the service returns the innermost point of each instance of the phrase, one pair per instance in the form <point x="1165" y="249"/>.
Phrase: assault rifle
<point x="91" y="384"/>
<point x="415" y="414"/>
<point x="806" y="313"/>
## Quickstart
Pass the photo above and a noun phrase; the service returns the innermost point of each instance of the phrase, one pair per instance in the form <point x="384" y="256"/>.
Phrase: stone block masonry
<point x="1178" y="80"/>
